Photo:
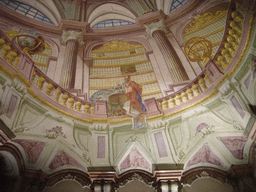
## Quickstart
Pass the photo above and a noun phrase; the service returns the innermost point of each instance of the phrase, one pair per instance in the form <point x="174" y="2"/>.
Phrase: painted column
<point x="174" y="187"/>
<point x="157" y="31"/>
<point x="72" y="39"/>
<point x="86" y="76"/>
<point x="169" y="186"/>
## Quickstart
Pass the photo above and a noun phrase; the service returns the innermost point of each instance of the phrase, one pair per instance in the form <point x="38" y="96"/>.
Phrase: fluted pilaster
<point x="157" y="32"/>
<point x="72" y="39"/>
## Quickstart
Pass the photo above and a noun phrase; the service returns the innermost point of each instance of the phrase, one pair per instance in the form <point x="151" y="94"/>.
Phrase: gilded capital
<point x="150" y="28"/>
<point x="72" y="35"/>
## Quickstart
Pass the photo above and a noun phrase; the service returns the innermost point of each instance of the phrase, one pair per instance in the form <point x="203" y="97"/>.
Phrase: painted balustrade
<point x="9" y="51"/>
<point x="231" y="38"/>
<point x="214" y="68"/>
<point x="187" y="93"/>
<point x="12" y="55"/>
<point x="59" y="94"/>
<point x="13" y="59"/>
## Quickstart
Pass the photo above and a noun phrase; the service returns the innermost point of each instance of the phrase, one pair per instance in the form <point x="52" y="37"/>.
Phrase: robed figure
<point x="134" y="92"/>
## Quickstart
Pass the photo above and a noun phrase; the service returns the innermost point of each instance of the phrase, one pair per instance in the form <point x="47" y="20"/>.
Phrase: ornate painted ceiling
<point x="64" y="115"/>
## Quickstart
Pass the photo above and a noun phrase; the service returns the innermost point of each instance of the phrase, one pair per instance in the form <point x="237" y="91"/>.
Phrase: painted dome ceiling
<point x="163" y="88"/>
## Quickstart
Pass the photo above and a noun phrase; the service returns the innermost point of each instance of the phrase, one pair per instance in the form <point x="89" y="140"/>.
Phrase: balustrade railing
<point x="231" y="38"/>
<point x="59" y="94"/>
<point x="215" y="67"/>
<point x="8" y="51"/>
<point x="12" y="55"/>
<point x="190" y="91"/>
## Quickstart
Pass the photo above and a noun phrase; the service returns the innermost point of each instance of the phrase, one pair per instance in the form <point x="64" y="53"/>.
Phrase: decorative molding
<point x="201" y="21"/>
<point x="132" y="139"/>
<point x="73" y="174"/>
<point x="55" y="132"/>
<point x="228" y="89"/>
<point x="190" y="176"/>
<point x="98" y="127"/>
<point x="150" y="28"/>
<point x="18" y="87"/>
<point x="72" y="35"/>
<point x="115" y="45"/>
<point x="157" y="125"/>
<point x="135" y="177"/>
<point x="204" y="129"/>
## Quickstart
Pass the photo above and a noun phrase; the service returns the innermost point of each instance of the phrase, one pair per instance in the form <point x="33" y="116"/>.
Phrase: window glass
<point x="26" y="10"/>
<point x="112" y="23"/>
<point x="176" y="4"/>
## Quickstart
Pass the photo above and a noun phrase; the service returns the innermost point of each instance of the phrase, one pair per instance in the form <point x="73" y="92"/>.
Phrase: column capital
<point x="72" y="35"/>
<point x="150" y="28"/>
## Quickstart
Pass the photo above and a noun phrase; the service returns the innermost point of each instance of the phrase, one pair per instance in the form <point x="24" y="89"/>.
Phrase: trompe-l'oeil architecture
<point x="127" y="95"/>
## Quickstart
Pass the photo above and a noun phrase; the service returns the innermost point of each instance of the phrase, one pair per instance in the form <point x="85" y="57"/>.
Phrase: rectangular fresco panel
<point x="101" y="146"/>
<point x="161" y="145"/>
<point x="237" y="105"/>
<point x="12" y="105"/>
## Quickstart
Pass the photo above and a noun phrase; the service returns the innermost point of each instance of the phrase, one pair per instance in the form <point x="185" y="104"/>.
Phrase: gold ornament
<point x="201" y="21"/>
<point x="198" y="49"/>
<point x="116" y="46"/>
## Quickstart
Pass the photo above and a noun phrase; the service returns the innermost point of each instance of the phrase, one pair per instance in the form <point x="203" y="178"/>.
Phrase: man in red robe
<point x="133" y="92"/>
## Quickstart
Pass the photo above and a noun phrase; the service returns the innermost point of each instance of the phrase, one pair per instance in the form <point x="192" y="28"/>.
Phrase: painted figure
<point x="133" y="92"/>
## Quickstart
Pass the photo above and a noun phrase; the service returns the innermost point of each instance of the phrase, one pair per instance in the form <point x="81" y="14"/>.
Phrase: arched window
<point x="27" y="10"/>
<point x="176" y="4"/>
<point x="112" y="23"/>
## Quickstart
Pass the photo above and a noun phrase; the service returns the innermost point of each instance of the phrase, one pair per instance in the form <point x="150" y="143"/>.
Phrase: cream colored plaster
<point x="79" y="78"/>
<point x="110" y="11"/>
<point x="164" y="5"/>
<point x="59" y="64"/>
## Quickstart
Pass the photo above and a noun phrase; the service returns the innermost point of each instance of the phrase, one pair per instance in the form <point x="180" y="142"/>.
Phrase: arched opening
<point x="110" y="11"/>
